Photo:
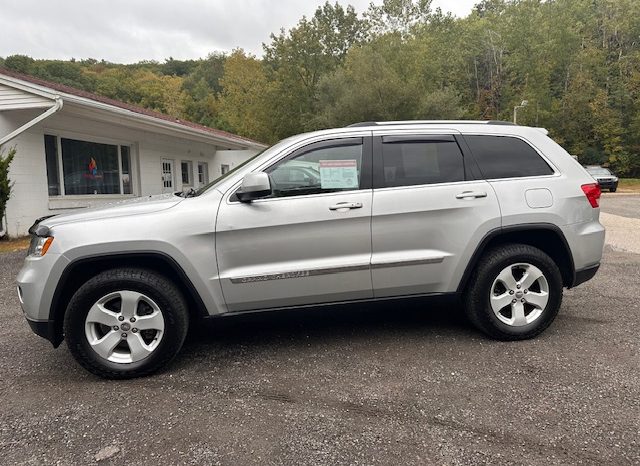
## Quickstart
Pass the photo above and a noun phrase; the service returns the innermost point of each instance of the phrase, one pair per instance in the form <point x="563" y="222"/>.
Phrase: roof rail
<point x="362" y="123"/>
<point x="430" y="122"/>
<point x="500" y="122"/>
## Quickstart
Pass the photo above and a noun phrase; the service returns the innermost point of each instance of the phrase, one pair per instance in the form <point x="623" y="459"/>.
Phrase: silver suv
<point x="494" y="215"/>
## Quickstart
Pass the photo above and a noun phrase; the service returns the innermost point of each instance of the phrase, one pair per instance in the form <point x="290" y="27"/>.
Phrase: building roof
<point x="65" y="92"/>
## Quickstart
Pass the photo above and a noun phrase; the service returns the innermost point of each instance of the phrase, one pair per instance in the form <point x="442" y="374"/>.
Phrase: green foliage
<point x="245" y="97"/>
<point x="296" y="62"/>
<point x="5" y="183"/>
<point x="577" y="63"/>
<point x="397" y="16"/>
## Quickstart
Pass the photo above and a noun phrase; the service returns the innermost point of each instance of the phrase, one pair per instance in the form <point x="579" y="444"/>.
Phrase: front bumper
<point x="36" y="285"/>
<point x="608" y="184"/>
<point x="45" y="329"/>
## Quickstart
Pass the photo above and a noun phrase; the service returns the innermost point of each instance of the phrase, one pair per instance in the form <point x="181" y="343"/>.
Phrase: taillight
<point x="592" y="191"/>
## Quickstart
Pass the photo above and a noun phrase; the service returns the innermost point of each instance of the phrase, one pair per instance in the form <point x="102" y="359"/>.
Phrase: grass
<point x="14" y="244"/>
<point x="631" y="185"/>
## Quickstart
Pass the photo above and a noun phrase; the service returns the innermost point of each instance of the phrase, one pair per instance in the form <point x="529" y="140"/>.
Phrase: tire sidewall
<point x="554" y="280"/>
<point x="97" y="288"/>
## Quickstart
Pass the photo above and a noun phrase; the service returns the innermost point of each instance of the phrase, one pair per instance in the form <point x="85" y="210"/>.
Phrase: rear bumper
<point x="585" y="275"/>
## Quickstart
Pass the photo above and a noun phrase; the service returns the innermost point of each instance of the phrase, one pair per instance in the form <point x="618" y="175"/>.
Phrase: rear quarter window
<point x="506" y="157"/>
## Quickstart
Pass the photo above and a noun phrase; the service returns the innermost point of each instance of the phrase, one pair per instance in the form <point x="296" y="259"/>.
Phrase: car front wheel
<point x="126" y="323"/>
<point x="515" y="292"/>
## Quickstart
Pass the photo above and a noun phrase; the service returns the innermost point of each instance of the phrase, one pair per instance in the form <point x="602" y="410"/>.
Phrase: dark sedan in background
<point x="605" y="178"/>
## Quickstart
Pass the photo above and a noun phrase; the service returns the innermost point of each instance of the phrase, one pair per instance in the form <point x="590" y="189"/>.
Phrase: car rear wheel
<point x="515" y="292"/>
<point x="126" y="323"/>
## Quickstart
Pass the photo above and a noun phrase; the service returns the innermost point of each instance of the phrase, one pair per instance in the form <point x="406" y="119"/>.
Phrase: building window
<point x="187" y="173"/>
<point x="203" y="173"/>
<point x="125" y="156"/>
<point x="224" y="169"/>
<point x="51" y="153"/>
<point x="76" y="167"/>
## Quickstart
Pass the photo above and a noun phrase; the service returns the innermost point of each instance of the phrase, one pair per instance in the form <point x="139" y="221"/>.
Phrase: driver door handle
<point x="346" y="205"/>
<point x="471" y="195"/>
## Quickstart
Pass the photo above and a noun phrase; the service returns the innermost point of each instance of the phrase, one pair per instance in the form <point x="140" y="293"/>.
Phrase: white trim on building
<point x="75" y="151"/>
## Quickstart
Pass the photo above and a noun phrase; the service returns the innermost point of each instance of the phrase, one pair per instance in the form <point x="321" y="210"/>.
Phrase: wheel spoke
<point x="105" y="345"/>
<point x="518" y="316"/>
<point x="153" y="321"/>
<point x="539" y="300"/>
<point x="507" y="278"/>
<point x="139" y="349"/>
<point x="530" y="276"/>
<point x="129" y="304"/>
<point x="100" y="315"/>
<point x="501" y="301"/>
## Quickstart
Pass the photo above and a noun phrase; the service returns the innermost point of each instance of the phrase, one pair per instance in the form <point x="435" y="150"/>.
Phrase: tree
<point x="5" y="184"/>
<point x="19" y="63"/>
<point x="243" y="103"/>
<point x="397" y="16"/>
<point x="296" y="62"/>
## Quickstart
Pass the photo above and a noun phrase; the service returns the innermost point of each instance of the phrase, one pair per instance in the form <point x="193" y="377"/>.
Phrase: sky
<point x="127" y="31"/>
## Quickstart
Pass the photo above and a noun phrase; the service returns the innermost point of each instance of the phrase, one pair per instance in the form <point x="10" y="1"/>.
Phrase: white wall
<point x="28" y="172"/>
<point x="233" y="158"/>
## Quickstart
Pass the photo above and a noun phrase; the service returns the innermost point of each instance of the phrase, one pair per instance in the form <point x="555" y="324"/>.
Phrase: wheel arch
<point x="544" y="236"/>
<point x="80" y="270"/>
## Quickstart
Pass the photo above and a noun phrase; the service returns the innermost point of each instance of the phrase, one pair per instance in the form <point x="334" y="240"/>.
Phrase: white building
<point x="76" y="149"/>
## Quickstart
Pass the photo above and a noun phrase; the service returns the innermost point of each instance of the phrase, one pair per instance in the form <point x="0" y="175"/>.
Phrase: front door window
<point x="328" y="168"/>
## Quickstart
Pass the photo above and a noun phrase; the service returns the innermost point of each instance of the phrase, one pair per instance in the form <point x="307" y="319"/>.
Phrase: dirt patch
<point x="14" y="244"/>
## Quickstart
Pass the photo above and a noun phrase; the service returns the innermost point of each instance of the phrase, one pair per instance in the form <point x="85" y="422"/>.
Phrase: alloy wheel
<point x="519" y="294"/>
<point x="124" y="326"/>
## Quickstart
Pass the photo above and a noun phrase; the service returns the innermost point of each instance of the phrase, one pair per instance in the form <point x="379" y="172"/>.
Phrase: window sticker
<point x="339" y="174"/>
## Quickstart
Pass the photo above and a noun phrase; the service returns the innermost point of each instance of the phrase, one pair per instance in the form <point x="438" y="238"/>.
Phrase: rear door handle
<point x="471" y="195"/>
<point x="346" y="205"/>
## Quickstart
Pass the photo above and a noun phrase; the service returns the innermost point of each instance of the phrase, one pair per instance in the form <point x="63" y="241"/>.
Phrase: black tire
<point x="477" y="296"/>
<point x="153" y="285"/>
<point x="612" y="190"/>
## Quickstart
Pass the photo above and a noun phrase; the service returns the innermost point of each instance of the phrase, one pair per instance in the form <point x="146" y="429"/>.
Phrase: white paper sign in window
<point x="339" y="174"/>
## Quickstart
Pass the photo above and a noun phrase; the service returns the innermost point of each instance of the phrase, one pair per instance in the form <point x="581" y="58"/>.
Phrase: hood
<point x="137" y="206"/>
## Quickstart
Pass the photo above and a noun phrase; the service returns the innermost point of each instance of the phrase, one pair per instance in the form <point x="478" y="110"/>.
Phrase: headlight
<point x="40" y="245"/>
<point x="615" y="178"/>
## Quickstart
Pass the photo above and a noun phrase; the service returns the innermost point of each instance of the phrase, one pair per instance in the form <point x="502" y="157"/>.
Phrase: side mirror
<point x="254" y="186"/>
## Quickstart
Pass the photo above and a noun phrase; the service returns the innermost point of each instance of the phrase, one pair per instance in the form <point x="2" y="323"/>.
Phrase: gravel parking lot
<point x="381" y="385"/>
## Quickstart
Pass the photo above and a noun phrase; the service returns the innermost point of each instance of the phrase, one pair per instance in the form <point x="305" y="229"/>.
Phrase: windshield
<point x="276" y="147"/>
<point x="598" y="171"/>
<point x="230" y="172"/>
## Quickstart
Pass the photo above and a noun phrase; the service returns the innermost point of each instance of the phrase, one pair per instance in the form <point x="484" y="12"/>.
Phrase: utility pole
<point x="515" y="110"/>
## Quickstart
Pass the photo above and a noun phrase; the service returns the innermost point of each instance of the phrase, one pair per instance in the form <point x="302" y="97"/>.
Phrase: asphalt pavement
<point x="388" y="384"/>
<point x="624" y="205"/>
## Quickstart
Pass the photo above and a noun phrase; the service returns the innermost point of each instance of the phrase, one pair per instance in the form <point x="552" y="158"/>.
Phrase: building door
<point x="167" y="176"/>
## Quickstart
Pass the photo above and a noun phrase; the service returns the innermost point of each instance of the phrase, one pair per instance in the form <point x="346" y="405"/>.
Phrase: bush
<point x="5" y="185"/>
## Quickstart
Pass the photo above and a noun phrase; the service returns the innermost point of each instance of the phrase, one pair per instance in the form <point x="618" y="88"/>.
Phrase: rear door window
<point x="506" y="157"/>
<point x="418" y="162"/>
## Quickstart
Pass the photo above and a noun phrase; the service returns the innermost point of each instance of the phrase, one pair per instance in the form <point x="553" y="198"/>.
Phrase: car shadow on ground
<point x="354" y="322"/>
